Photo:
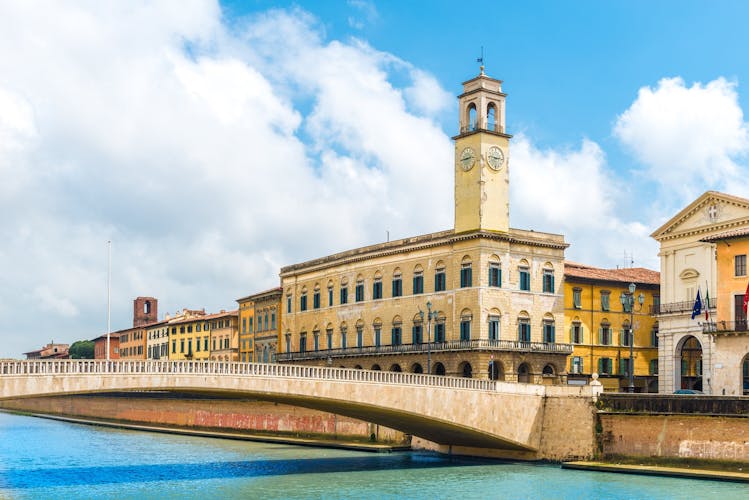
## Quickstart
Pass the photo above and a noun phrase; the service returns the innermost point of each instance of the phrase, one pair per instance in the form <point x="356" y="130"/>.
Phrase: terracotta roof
<point x="727" y="235"/>
<point x="627" y="275"/>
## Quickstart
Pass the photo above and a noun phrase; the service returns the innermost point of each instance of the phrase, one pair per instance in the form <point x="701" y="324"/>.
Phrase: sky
<point x="213" y="143"/>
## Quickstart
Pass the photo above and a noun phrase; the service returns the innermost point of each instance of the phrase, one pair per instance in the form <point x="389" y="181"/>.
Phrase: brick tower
<point x="145" y="310"/>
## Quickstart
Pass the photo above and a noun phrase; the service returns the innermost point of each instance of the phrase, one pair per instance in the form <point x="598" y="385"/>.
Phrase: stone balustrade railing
<point x="119" y="367"/>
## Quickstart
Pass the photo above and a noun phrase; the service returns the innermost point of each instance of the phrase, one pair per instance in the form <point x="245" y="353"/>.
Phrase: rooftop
<point x="637" y="275"/>
<point x="727" y="235"/>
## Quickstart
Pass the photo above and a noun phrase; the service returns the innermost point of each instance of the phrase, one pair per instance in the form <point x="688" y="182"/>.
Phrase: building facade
<point x="267" y="336"/>
<point x="157" y="340"/>
<point x="245" y="324"/>
<point x="687" y="348"/>
<point x="49" y="351"/>
<point x="133" y="343"/>
<point x="224" y="338"/>
<point x="189" y="336"/>
<point x="479" y="300"/>
<point x="100" y="346"/>
<point x="728" y="327"/>
<point x="598" y="326"/>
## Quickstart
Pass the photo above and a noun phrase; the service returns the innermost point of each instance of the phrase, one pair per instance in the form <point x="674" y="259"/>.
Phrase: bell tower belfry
<point x="482" y="154"/>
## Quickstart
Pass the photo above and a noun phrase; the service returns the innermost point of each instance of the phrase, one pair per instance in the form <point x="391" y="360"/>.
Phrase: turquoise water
<point x="42" y="458"/>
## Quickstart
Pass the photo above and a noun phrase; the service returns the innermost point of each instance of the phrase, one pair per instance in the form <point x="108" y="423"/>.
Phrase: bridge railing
<point x="218" y="368"/>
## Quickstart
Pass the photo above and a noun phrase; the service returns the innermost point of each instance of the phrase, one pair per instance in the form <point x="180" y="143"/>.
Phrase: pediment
<point x="710" y="213"/>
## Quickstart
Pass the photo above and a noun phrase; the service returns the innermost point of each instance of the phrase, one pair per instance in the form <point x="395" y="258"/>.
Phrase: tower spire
<point x="480" y="60"/>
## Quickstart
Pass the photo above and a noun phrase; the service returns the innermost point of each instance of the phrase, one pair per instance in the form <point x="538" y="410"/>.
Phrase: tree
<point x="82" y="349"/>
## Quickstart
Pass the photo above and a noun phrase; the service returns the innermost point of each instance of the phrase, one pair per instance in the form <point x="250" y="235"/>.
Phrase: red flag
<point x="746" y="299"/>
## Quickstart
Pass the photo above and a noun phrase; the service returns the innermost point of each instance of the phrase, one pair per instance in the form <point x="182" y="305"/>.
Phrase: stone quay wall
<point x="203" y="413"/>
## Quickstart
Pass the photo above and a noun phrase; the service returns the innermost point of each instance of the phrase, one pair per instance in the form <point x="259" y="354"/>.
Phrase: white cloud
<point x="209" y="155"/>
<point x="689" y="139"/>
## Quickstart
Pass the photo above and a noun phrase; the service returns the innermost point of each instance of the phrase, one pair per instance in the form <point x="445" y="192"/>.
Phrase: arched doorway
<point x="395" y="368"/>
<point x="439" y="369"/>
<point x="548" y="371"/>
<point x="524" y="374"/>
<point x="745" y="376"/>
<point x="496" y="370"/>
<point x="417" y="368"/>
<point x="465" y="369"/>
<point x="689" y="364"/>
<point x="376" y="368"/>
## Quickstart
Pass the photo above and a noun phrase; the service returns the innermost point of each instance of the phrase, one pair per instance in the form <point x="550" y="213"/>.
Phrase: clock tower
<point x="482" y="154"/>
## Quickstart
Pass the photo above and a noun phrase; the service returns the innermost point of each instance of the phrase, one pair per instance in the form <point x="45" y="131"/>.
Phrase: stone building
<point x="479" y="300"/>
<point x="598" y="326"/>
<point x="689" y="347"/>
<point x="246" y="324"/>
<point x="224" y="336"/>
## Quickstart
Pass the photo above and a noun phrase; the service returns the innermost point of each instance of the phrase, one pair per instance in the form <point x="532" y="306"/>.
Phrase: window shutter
<point x="499" y="277"/>
<point x="580" y="364"/>
<point x="572" y="334"/>
<point x="600" y="335"/>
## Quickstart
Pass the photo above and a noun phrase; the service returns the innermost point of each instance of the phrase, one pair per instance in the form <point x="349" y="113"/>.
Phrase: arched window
<point x="491" y="117"/>
<point x="549" y="329"/>
<point x="576" y="331"/>
<point x="316" y="338"/>
<point x="343" y="295"/>
<point x="329" y="336"/>
<point x="471" y="115"/>
<point x="524" y="276"/>
<point x="466" y="273"/>
<point x="495" y="272"/>
<point x="397" y="285"/>
<point x="377" y="332"/>
<point x="377" y="286"/>
<point x="417" y="330"/>
<point x="465" y="369"/>
<point x="344" y="331"/>
<point x="604" y="332"/>
<point x="316" y="297"/>
<point x="439" y="369"/>
<point x="360" y="334"/>
<point x="418" y="280"/>
<point x="303" y="299"/>
<point x="417" y="368"/>
<point x="440" y="277"/>
<point x="465" y="325"/>
<point x="439" y="327"/>
<point x="395" y="368"/>
<point x="524" y="373"/>
<point x="625" y="336"/>
<point x="493" y="319"/>
<point x="524" y="327"/>
<point x="548" y="280"/>
<point x="359" y="292"/>
<point x="548" y="371"/>
<point x="396" y="337"/>
<point x="330" y="293"/>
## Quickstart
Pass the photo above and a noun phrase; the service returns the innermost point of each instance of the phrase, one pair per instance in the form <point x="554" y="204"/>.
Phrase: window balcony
<point x="680" y="307"/>
<point x="725" y="327"/>
<point x="434" y="347"/>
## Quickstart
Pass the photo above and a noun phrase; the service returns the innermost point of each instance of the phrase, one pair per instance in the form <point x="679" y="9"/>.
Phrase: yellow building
<point x="597" y="325"/>
<point x="267" y="325"/>
<point x="189" y="336"/>
<point x="246" y="324"/>
<point x="729" y="327"/>
<point x="224" y="336"/>
<point x="479" y="300"/>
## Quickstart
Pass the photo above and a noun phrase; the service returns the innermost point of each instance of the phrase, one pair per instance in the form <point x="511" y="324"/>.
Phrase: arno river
<point x="42" y="458"/>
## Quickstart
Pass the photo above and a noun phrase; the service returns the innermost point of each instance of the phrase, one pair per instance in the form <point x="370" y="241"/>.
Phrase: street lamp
<point x="628" y="302"/>
<point x="430" y="315"/>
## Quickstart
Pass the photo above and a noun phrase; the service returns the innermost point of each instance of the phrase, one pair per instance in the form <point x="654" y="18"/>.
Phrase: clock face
<point x="495" y="157"/>
<point x="467" y="159"/>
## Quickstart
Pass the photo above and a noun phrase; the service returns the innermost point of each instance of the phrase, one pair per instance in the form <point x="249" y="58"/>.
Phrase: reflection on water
<point x="49" y="459"/>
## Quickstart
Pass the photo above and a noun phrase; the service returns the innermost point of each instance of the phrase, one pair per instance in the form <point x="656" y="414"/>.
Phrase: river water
<point x="42" y="458"/>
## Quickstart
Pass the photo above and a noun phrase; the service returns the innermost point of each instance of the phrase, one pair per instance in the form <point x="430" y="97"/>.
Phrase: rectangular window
<point x="577" y="300"/>
<point x="439" y="332"/>
<point x="493" y="327"/>
<point x="182" y="346"/>
<point x="344" y="343"/>
<point x="316" y="300"/>
<point x="273" y="320"/>
<point x="265" y="317"/>
<point x="654" y="336"/>
<point x="344" y="294"/>
<point x="181" y="329"/>
<point x="524" y="330"/>
<point x="377" y="289"/>
<point x="548" y="285"/>
<point x="626" y="335"/>
<point x="359" y="291"/>
<point x="316" y="337"/>
<point x="250" y="327"/>
<point x="624" y="366"/>
<point x="604" y="366"/>
<point x="205" y="343"/>
<point x="605" y="306"/>
<point x="244" y="325"/>
<point x="396" y="336"/>
<point x="288" y="304"/>
<point x="604" y="335"/>
<point x="577" y="364"/>
<point x="576" y="333"/>
<point x="288" y="343"/>
<point x="525" y="278"/>
<point x="549" y="332"/>
<point x="465" y="330"/>
<point x="654" y="366"/>
<point x="418" y="282"/>
<point x="416" y="337"/>
<point x="495" y="274"/>
<point x="189" y="347"/>
<point x="197" y="345"/>
<point x="189" y="329"/>
<point x="440" y="280"/>
<point x="466" y="277"/>
<point x="739" y="265"/>
<point x="303" y="343"/>
<point x="359" y="336"/>
<point x="330" y="296"/>
<point x="397" y="286"/>
<point x="214" y="344"/>
<point x="303" y="302"/>
<point x="329" y="336"/>
<point x="377" y="336"/>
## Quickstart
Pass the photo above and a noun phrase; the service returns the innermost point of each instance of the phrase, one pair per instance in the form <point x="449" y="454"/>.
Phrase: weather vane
<point x="480" y="60"/>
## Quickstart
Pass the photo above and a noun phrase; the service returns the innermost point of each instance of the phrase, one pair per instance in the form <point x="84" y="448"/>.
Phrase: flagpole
<point x="109" y="288"/>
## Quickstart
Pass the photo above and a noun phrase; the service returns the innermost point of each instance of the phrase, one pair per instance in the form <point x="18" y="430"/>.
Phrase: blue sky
<point x="214" y="143"/>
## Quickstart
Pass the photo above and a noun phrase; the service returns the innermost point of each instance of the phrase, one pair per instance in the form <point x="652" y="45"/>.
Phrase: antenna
<point x="480" y="60"/>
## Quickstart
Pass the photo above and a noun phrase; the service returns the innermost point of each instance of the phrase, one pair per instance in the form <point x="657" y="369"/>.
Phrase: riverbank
<point x="240" y="436"/>
<point x="660" y="470"/>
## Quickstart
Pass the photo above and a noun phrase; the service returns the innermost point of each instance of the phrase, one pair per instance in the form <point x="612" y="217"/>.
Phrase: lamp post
<point x="628" y="302"/>
<point x="430" y="315"/>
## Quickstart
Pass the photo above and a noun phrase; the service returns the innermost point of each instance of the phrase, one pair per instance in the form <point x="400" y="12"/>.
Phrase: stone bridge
<point x="521" y="419"/>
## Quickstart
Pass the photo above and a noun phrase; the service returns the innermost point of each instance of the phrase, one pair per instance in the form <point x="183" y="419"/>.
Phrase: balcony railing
<point x="456" y="345"/>
<point x="725" y="326"/>
<point x="680" y="307"/>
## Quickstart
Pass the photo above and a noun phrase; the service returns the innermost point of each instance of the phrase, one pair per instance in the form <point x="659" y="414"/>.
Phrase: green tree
<point x="82" y="349"/>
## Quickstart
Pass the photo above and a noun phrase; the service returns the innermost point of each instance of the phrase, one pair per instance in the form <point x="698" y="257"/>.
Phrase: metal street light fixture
<point x="430" y="316"/>
<point x="628" y="302"/>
